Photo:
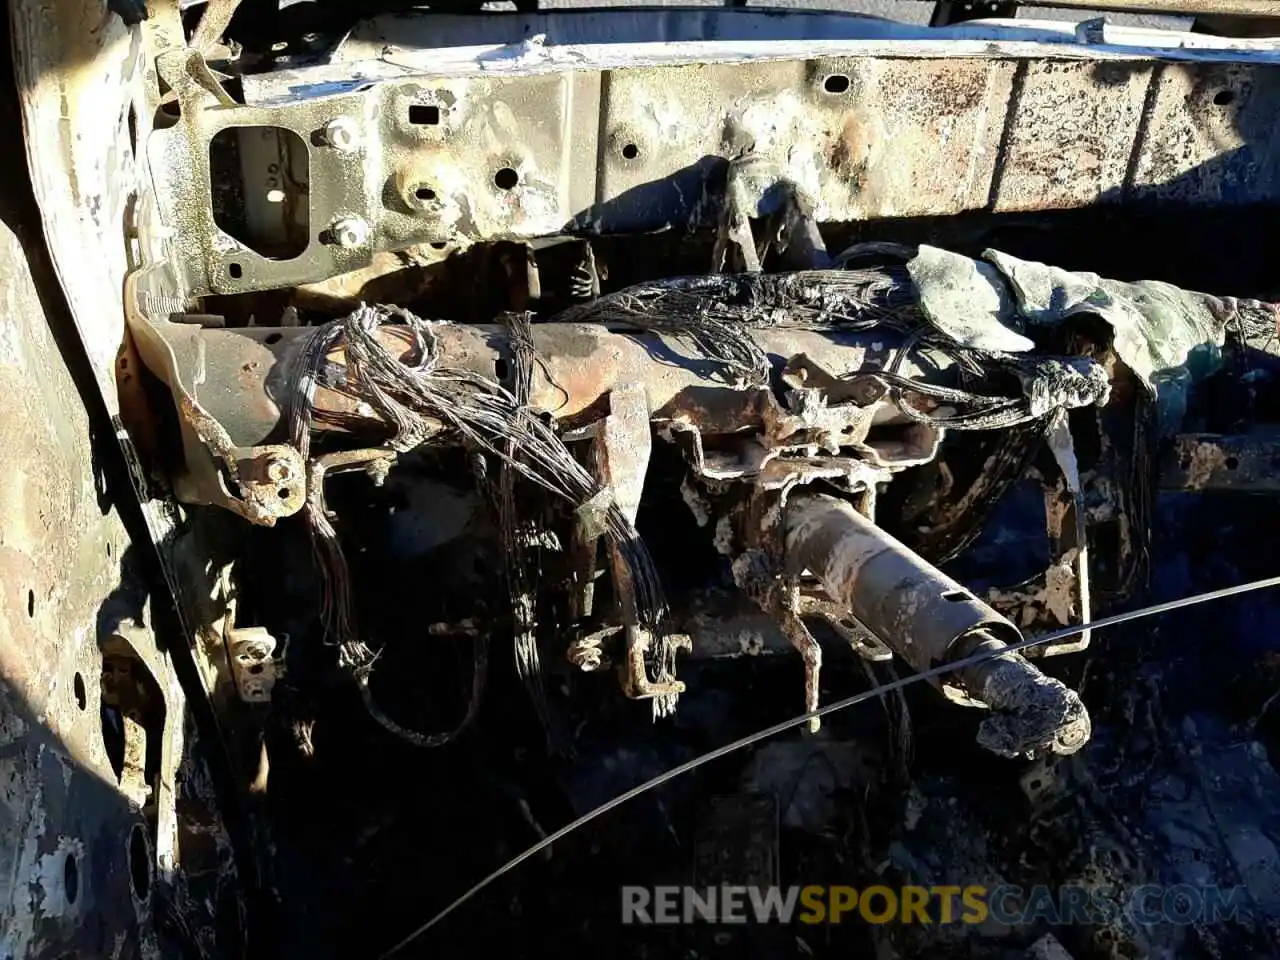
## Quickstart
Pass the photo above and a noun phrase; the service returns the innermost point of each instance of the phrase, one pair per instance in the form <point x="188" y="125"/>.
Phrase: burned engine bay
<point x="541" y="423"/>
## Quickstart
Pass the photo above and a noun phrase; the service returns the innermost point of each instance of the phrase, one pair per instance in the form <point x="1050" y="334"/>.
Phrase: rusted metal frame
<point x="580" y="364"/>
<point x="260" y="483"/>
<point x="622" y="447"/>
<point x="1241" y="463"/>
<point x="587" y="157"/>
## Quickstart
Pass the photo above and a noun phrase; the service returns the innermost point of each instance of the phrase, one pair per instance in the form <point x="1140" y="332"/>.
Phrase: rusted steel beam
<point x="246" y="372"/>
<point x="1243" y="463"/>
<point x="929" y="619"/>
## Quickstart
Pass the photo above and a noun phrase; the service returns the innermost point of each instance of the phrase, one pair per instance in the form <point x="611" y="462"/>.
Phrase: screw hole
<point x="425" y="193"/>
<point x="71" y="877"/>
<point x="31" y="603"/>
<point x="283" y="493"/>
<point x="273" y="338"/>
<point x="1224" y="98"/>
<point x="139" y="863"/>
<point x="424" y="114"/>
<point x="506" y="179"/>
<point x="1231" y="463"/>
<point x="1035" y="784"/>
<point x="78" y="688"/>
<point x="836" y="83"/>
<point x="235" y="270"/>
<point x="630" y="151"/>
<point x="256" y="669"/>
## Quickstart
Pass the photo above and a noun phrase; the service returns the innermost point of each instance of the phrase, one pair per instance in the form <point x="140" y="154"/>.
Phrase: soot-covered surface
<point x="1177" y="786"/>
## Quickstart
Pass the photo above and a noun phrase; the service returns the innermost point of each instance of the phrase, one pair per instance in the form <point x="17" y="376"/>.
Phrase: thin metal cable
<point x="785" y="725"/>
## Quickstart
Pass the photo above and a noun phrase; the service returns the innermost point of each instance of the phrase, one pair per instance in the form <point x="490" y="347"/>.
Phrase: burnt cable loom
<point x="413" y="397"/>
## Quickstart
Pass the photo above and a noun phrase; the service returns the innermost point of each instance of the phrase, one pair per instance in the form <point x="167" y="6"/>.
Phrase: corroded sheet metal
<point x="65" y="824"/>
<point x="432" y="158"/>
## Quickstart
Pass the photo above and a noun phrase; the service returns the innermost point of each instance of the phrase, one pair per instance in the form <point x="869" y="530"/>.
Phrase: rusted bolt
<point x="279" y="470"/>
<point x="350" y="232"/>
<point x="341" y="134"/>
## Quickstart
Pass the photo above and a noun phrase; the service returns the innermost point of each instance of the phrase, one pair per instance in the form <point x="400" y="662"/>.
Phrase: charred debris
<point x="544" y="480"/>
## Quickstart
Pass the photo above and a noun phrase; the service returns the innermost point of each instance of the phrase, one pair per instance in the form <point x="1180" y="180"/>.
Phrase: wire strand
<point x="785" y="725"/>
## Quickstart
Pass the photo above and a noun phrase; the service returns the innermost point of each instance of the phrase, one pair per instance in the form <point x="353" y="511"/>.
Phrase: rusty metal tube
<point x="245" y="371"/>
<point x="929" y="619"/>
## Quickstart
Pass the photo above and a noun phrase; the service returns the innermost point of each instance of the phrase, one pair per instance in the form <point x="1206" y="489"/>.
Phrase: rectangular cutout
<point x="424" y="114"/>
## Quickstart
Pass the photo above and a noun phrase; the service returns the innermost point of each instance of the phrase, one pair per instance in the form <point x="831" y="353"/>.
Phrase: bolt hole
<point x="439" y="245"/>
<point x="500" y="368"/>
<point x="1035" y="784"/>
<point x="235" y="270"/>
<point x="630" y="151"/>
<point x="139" y="863"/>
<point x="31" y="603"/>
<point x="283" y="493"/>
<point x="108" y="549"/>
<point x="425" y="193"/>
<point x="78" y="688"/>
<point x="506" y="179"/>
<point x="955" y="596"/>
<point x="71" y="877"/>
<point x="256" y="669"/>
<point x="836" y="83"/>
<point x="273" y="338"/>
<point x="1231" y="463"/>
<point x="1224" y="98"/>
<point x="424" y="114"/>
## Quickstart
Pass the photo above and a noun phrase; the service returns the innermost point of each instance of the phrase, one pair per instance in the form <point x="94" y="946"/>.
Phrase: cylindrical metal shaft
<point x="929" y="619"/>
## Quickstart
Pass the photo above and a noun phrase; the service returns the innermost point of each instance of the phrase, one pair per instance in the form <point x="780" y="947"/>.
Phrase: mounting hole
<point x="139" y="863"/>
<point x="77" y="688"/>
<point x="630" y="151"/>
<point x="235" y="271"/>
<point x="271" y="338"/>
<point x="1224" y="98"/>
<point x="506" y="179"/>
<point x="424" y="114"/>
<point x="256" y="669"/>
<point x="955" y="596"/>
<point x="836" y="83"/>
<point x="71" y="877"/>
<point x="108" y="549"/>
<point x="439" y="245"/>
<point x="283" y="493"/>
<point x="1035" y="784"/>
<point x="1231" y="463"/>
<point x="425" y="193"/>
<point x="31" y="603"/>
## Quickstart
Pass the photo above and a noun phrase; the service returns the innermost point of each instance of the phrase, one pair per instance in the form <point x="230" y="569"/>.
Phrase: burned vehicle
<point x="487" y="413"/>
